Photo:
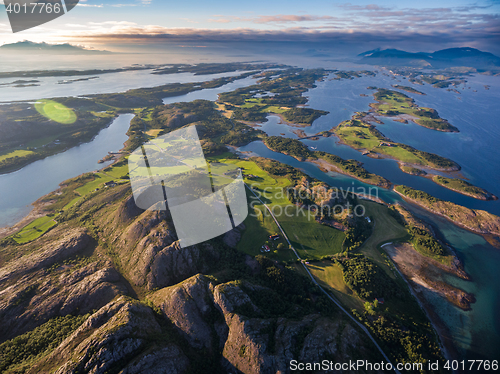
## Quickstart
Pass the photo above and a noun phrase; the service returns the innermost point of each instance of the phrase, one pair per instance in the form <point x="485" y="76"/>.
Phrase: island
<point x="463" y="187"/>
<point x="408" y="89"/>
<point x="408" y="169"/>
<point x="19" y="82"/>
<point x="326" y="161"/>
<point x="69" y="81"/>
<point x="475" y="220"/>
<point x="30" y="135"/>
<point x="275" y="93"/>
<point x="364" y="137"/>
<point x="267" y="275"/>
<point x="396" y="105"/>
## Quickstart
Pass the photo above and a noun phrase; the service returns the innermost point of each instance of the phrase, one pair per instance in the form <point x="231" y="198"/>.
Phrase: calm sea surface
<point x="476" y="333"/>
<point x="475" y="148"/>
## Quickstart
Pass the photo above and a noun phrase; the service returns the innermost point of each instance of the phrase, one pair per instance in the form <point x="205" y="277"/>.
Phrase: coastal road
<point x="362" y="327"/>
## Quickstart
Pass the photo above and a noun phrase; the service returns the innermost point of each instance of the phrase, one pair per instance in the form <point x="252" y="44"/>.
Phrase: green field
<point x="359" y="135"/>
<point x="363" y="136"/>
<point x="71" y="203"/>
<point x="117" y="172"/>
<point x="34" y="230"/>
<point x="111" y="173"/>
<point x="330" y="276"/>
<point x="309" y="238"/>
<point x="69" y="197"/>
<point x="386" y="229"/>
<point x="257" y="231"/>
<point x="98" y="182"/>
<point x="392" y="103"/>
<point x="16" y="153"/>
<point x="265" y="108"/>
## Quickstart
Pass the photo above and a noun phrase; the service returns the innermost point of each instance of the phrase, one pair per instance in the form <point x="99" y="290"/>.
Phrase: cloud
<point x="276" y="19"/>
<point x="90" y="5"/>
<point x="368" y="7"/>
<point x="413" y="28"/>
<point x="474" y="21"/>
<point x="113" y="23"/>
<point x="325" y="33"/>
<point x="280" y="18"/>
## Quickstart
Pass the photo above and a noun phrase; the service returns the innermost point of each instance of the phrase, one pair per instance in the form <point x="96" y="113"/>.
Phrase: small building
<point x="110" y="184"/>
<point x="274" y="237"/>
<point x="380" y="300"/>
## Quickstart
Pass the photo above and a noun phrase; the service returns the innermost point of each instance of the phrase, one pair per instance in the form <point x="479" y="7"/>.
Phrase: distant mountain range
<point x="27" y="46"/>
<point x="469" y="57"/>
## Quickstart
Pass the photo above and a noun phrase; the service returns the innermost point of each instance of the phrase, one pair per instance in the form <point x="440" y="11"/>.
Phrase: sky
<point x="426" y="25"/>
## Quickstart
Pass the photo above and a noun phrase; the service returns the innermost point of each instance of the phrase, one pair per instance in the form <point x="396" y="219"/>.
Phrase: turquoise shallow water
<point x="474" y="148"/>
<point x="476" y="333"/>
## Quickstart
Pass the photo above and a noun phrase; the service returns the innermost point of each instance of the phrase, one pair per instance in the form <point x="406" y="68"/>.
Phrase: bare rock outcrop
<point x="189" y="307"/>
<point x="70" y="244"/>
<point x="36" y="297"/>
<point x="200" y="310"/>
<point x="115" y="337"/>
<point x="150" y="252"/>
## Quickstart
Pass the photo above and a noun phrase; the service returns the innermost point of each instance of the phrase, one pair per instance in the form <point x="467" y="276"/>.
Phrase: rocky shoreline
<point x="460" y="224"/>
<point x="412" y="267"/>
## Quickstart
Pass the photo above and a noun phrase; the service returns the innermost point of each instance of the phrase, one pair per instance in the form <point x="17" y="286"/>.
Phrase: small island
<point x="463" y="187"/>
<point x="408" y="169"/>
<point x="397" y="105"/>
<point x="365" y="138"/>
<point x="69" y="81"/>
<point x="408" y="89"/>
<point x="475" y="220"/>
<point x="21" y="82"/>
<point x="31" y="135"/>
<point x="281" y="96"/>
<point x="326" y="161"/>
